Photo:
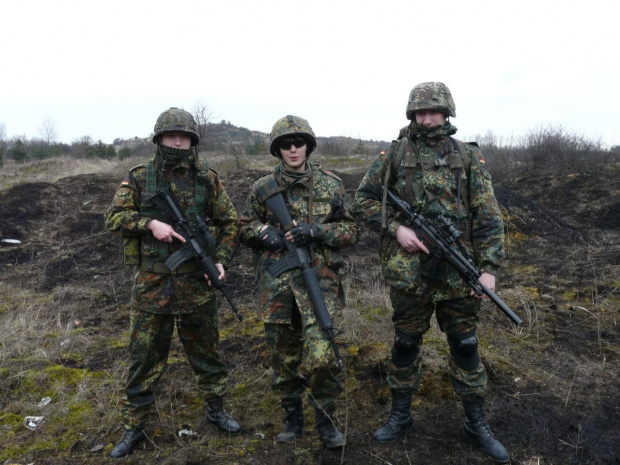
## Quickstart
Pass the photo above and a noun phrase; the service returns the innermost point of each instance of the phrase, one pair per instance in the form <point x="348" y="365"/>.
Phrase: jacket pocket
<point x="333" y="257"/>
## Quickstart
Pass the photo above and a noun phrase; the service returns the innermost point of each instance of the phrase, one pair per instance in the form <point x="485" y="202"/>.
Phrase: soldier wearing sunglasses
<point x="315" y="199"/>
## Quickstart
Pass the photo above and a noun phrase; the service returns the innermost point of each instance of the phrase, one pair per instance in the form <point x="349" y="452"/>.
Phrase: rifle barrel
<point x="501" y="305"/>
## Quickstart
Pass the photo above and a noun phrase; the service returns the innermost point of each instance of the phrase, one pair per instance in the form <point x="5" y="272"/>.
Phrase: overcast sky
<point x="106" y="69"/>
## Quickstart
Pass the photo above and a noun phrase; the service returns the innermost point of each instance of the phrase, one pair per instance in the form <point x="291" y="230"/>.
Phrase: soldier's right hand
<point x="271" y="239"/>
<point x="163" y="231"/>
<point x="408" y="240"/>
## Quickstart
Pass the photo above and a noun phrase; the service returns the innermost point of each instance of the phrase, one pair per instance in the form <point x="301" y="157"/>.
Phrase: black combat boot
<point x="400" y="420"/>
<point x="129" y="440"/>
<point x="478" y="430"/>
<point x="220" y="418"/>
<point x="328" y="432"/>
<point x="293" y="423"/>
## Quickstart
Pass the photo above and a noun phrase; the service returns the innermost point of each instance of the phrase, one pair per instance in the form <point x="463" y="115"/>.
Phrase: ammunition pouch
<point x="131" y="251"/>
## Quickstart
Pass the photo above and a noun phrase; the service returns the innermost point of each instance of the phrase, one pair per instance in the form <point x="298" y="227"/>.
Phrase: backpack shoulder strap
<point x="464" y="165"/>
<point x="329" y="173"/>
<point x="399" y="149"/>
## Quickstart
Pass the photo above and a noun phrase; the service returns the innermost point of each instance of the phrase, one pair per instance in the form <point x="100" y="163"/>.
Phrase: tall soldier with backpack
<point x="437" y="175"/>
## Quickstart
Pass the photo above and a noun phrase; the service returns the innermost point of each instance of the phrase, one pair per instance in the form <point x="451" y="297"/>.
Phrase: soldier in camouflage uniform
<point x="162" y="299"/>
<point x="437" y="175"/>
<point x="315" y="198"/>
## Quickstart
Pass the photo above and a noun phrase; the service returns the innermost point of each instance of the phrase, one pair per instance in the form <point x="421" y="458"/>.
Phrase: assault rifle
<point x="299" y="257"/>
<point x="440" y="238"/>
<point x="197" y="244"/>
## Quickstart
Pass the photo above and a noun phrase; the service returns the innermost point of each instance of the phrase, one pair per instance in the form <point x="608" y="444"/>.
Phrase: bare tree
<point x="48" y="130"/>
<point x="2" y="146"/>
<point x="203" y="115"/>
<point x="236" y="151"/>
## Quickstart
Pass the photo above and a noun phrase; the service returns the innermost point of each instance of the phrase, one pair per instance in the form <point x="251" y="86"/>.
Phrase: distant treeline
<point x="548" y="148"/>
<point x="223" y="138"/>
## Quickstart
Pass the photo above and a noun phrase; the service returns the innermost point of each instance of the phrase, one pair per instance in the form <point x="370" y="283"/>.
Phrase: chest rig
<point x="153" y="252"/>
<point x="458" y="159"/>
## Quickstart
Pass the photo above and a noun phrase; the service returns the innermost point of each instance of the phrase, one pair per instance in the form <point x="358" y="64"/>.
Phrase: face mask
<point x="434" y="132"/>
<point x="172" y="156"/>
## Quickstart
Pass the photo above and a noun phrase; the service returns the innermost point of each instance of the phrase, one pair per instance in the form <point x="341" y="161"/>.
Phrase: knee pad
<point x="406" y="349"/>
<point x="464" y="349"/>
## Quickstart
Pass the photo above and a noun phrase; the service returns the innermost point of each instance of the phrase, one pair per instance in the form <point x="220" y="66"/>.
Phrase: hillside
<point x="554" y="382"/>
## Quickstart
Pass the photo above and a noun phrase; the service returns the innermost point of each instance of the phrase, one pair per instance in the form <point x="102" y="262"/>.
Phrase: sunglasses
<point x="286" y="144"/>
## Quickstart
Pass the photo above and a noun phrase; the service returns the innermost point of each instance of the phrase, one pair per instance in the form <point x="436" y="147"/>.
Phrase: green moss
<point x="58" y="373"/>
<point x="175" y="360"/>
<point x="51" y="447"/>
<point x="72" y="357"/>
<point x="121" y="342"/>
<point x="371" y="314"/>
<point x="77" y="414"/>
<point x="10" y="419"/>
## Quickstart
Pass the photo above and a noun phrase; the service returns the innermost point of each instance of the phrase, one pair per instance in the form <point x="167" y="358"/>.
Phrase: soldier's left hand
<point x="303" y="233"/>
<point x="488" y="280"/>
<point x="222" y="275"/>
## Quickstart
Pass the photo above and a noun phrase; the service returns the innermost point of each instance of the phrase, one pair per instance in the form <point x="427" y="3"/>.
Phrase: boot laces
<point x="480" y="423"/>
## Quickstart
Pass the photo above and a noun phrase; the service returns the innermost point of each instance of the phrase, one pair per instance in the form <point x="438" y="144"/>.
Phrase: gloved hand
<point x="271" y="239"/>
<point x="304" y="233"/>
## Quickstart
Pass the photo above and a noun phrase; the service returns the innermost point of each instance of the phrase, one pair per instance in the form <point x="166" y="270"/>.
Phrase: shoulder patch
<point x="137" y="167"/>
<point x="475" y="144"/>
<point x="130" y="181"/>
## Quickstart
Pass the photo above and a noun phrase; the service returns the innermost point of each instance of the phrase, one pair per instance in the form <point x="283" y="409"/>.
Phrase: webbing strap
<point x="150" y="190"/>
<point x="384" y="199"/>
<point x="411" y="160"/>
<point x="310" y="197"/>
<point x="462" y="190"/>
<point x="266" y="190"/>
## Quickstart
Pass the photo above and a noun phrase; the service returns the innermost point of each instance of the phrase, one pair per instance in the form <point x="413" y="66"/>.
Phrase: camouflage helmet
<point x="176" y="120"/>
<point x="430" y="96"/>
<point x="287" y="126"/>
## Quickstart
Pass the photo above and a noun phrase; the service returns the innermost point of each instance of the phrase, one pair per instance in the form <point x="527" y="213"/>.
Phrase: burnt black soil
<point x="563" y="253"/>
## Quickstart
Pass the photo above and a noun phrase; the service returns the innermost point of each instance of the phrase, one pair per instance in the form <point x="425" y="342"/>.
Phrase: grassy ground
<point x="63" y="334"/>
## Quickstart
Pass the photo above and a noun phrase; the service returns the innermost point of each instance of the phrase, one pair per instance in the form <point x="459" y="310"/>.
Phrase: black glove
<point x="304" y="233"/>
<point x="271" y="239"/>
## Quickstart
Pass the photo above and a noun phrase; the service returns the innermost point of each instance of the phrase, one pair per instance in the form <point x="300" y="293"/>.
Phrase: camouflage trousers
<point x="151" y="335"/>
<point x="286" y="349"/>
<point x="457" y="317"/>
